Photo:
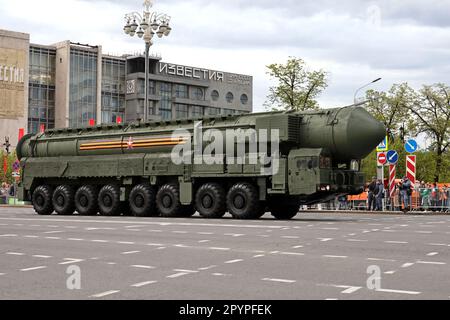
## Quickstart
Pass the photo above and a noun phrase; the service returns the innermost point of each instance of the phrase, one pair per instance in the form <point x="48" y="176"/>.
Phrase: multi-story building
<point x="74" y="85"/>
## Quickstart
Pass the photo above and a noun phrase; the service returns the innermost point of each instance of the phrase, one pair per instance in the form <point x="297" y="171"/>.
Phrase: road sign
<point x="411" y="168"/>
<point x="16" y="166"/>
<point x="16" y="174"/>
<point x="392" y="172"/>
<point x="384" y="145"/>
<point x="382" y="159"/>
<point x="392" y="156"/>
<point x="411" y="146"/>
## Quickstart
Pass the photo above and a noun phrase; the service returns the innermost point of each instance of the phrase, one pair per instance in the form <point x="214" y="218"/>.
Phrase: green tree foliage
<point x="11" y="158"/>
<point x="297" y="87"/>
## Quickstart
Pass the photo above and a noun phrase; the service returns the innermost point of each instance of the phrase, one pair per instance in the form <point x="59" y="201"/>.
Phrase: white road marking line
<point x="104" y="294"/>
<point x="398" y="291"/>
<point x="431" y="262"/>
<point x="176" y="275"/>
<point x="2" y="274"/>
<point x="8" y="235"/>
<point x="432" y="254"/>
<point x="357" y="240"/>
<point x="53" y="238"/>
<point x="111" y="263"/>
<point x="437" y="244"/>
<point x="154" y="244"/>
<point x="95" y="258"/>
<point x="3" y="224"/>
<point x="18" y="225"/>
<point x="134" y="230"/>
<point x="329" y="228"/>
<point x="180" y="232"/>
<point x="390" y="272"/>
<point x="220" y="274"/>
<point x="133" y="226"/>
<point x="130" y="252"/>
<point x="181" y="246"/>
<point x="34" y="268"/>
<point x="331" y="299"/>
<point x="218" y="248"/>
<point x="100" y="241"/>
<point x="142" y="266"/>
<point x="259" y="255"/>
<point x="207" y="268"/>
<point x="161" y="248"/>
<point x="350" y="290"/>
<point x="49" y="232"/>
<point x="31" y="236"/>
<point x="154" y="230"/>
<point x="297" y="247"/>
<point x="332" y="256"/>
<point x="16" y="253"/>
<point x="325" y="239"/>
<point x="70" y="261"/>
<point x="205" y="233"/>
<point x="292" y="253"/>
<point x="290" y="237"/>
<point x="279" y="280"/>
<point x="186" y="271"/>
<point x="396" y="242"/>
<point x="141" y="284"/>
<point x="52" y="226"/>
<point x="233" y="261"/>
<point x="407" y="265"/>
<point x="125" y="242"/>
<point x="41" y="256"/>
<point x="234" y="234"/>
<point x="203" y="241"/>
<point x="70" y="227"/>
<point x="75" y="239"/>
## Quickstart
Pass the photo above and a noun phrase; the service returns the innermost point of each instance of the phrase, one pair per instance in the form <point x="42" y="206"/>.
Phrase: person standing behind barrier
<point x="425" y="192"/>
<point x="406" y="193"/>
<point x="434" y="195"/>
<point x="379" y="195"/>
<point x="371" y="197"/>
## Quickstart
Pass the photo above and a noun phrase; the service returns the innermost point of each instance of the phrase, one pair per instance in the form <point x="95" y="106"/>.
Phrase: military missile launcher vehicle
<point x="131" y="169"/>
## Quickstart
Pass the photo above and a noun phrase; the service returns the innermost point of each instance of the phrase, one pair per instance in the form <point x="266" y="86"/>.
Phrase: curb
<point x="392" y="213"/>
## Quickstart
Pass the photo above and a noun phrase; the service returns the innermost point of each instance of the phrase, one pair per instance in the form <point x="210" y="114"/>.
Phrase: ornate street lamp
<point x="366" y="85"/>
<point x="145" y="26"/>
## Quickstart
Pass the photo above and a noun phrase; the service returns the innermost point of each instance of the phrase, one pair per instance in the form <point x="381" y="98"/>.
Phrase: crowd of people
<point x="6" y="191"/>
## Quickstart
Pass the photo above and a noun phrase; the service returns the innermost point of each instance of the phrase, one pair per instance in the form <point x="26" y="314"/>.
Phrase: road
<point x="314" y="256"/>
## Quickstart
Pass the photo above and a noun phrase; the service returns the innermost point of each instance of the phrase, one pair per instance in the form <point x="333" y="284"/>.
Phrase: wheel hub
<point x="239" y="201"/>
<point x="40" y="200"/>
<point x="167" y="201"/>
<point x="207" y="201"/>
<point x="107" y="201"/>
<point x="83" y="201"/>
<point x="60" y="200"/>
<point x="139" y="201"/>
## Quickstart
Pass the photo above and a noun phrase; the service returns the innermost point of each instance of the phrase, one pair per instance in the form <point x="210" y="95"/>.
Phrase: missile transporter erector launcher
<point x="131" y="169"/>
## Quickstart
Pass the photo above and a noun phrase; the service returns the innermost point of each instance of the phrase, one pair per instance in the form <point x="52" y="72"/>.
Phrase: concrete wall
<point x="14" y="73"/>
<point x="62" y="84"/>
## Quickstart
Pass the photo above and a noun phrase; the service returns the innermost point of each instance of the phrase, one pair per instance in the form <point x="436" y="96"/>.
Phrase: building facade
<point x="76" y="85"/>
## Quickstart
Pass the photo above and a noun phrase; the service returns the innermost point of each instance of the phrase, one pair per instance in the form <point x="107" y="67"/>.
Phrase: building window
<point x="215" y="95"/>
<point x="244" y="99"/>
<point x="212" y="111"/>
<point x="198" y="94"/>
<point x="181" y="91"/>
<point x="230" y="97"/>
<point x="197" y="112"/>
<point x="182" y="111"/>
<point x="227" y="112"/>
<point x="113" y="85"/>
<point x="165" y="107"/>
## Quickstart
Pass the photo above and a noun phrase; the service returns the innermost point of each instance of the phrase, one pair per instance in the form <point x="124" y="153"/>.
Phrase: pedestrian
<point x="3" y="193"/>
<point x="379" y="195"/>
<point x="425" y="196"/>
<point x="406" y="193"/>
<point x="371" y="195"/>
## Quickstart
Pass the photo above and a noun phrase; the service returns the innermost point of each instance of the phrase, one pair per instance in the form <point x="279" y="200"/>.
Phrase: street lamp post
<point x="366" y="85"/>
<point x="145" y="26"/>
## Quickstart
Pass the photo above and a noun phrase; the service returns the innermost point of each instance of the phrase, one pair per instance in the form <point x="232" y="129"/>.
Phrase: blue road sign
<point x="392" y="156"/>
<point x="411" y="146"/>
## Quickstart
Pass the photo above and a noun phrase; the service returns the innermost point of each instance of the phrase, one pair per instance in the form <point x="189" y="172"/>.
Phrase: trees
<point x="297" y="87"/>
<point x="430" y="113"/>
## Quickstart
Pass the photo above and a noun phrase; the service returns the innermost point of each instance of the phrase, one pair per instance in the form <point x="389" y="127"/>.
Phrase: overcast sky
<point x="356" y="41"/>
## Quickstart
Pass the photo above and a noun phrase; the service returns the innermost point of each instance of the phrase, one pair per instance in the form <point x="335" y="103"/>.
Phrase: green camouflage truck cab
<point x="309" y="157"/>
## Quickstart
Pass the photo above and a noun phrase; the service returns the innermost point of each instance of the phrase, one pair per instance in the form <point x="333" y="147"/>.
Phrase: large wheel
<point x="86" y="201"/>
<point x="64" y="200"/>
<point x="109" y="201"/>
<point x="243" y="201"/>
<point x="284" y="212"/>
<point x="42" y="200"/>
<point x="168" y="201"/>
<point x="210" y="201"/>
<point x="143" y="201"/>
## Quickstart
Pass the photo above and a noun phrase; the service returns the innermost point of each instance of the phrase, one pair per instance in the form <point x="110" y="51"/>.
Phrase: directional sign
<point x="383" y="146"/>
<point x="392" y="156"/>
<point x="411" y="146"/>
<point x="381" y="157"/>
<point x="16" y="174"/>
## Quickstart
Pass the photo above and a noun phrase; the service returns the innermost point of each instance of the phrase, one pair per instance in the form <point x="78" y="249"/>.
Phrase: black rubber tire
<point x="109" y="201"/>
<point x="42" y="200"/>
<point x="86" y="200"/>
<point x="284" y="212"/>
<point x="210" y="201"/>
<point x="63" y="200"/>
<point x="142" y="201"/>
<point x="168" y="201"/>
<point x="243" y="201"/>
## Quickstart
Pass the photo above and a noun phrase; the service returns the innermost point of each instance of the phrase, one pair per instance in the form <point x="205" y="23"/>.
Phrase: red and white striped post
<point x="392" y="172"/>
<point x="411" y="168"/>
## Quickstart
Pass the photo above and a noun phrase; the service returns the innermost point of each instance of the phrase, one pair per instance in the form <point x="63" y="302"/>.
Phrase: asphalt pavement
<point x="324" y="256"/>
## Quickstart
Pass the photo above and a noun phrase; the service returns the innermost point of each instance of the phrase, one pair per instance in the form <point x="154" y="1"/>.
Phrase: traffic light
<point x="7" y="145"/>
<point x="402" y="134"/>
